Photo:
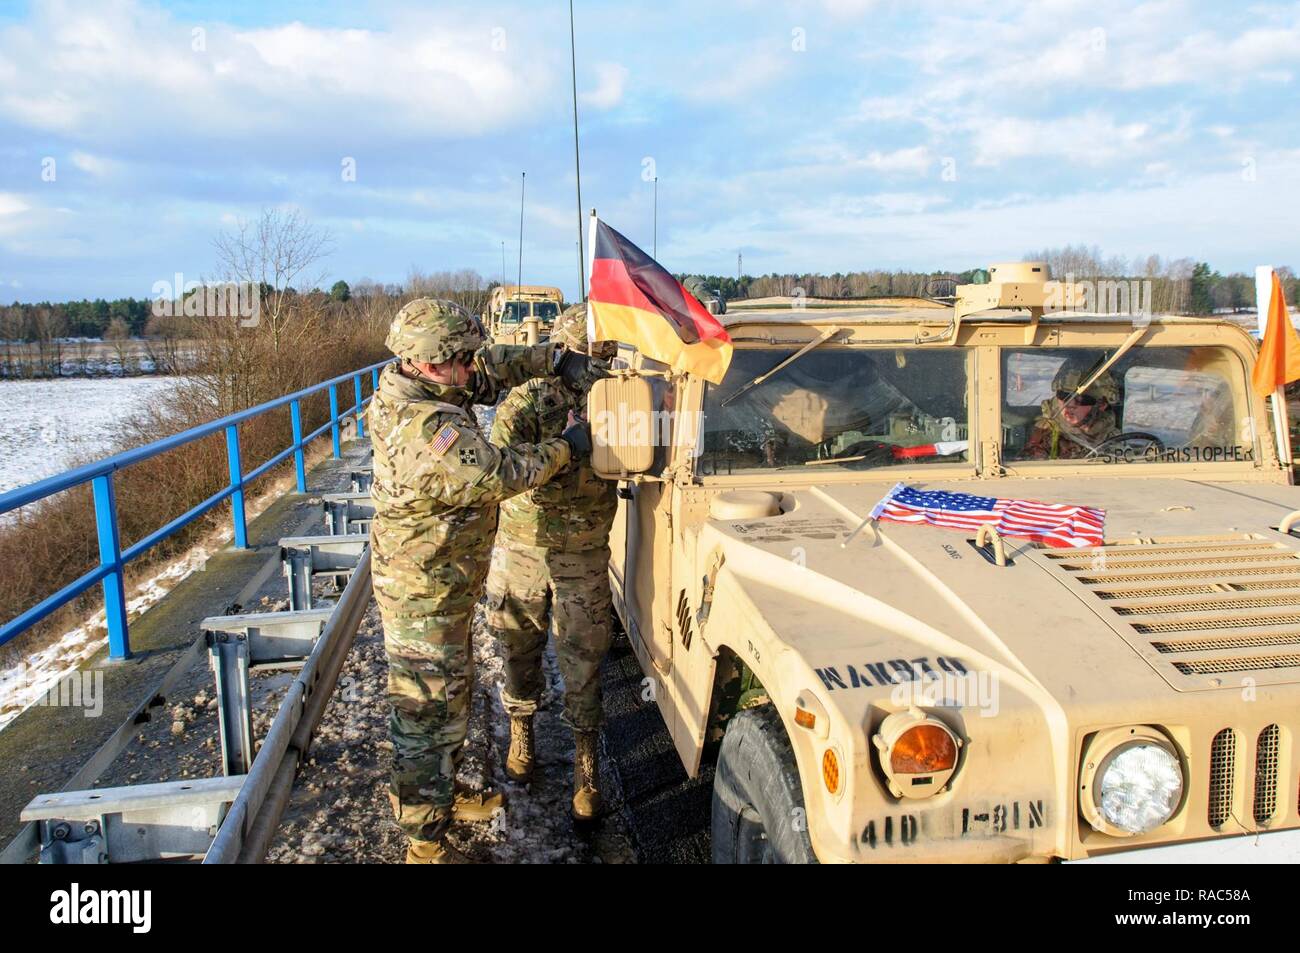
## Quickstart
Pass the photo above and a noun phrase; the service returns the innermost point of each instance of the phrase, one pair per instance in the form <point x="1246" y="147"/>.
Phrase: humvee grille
<point x="1266" y="774"/>
<point x="1210" y="622"/>
<point x="1104" y="562"/>
<point x="1192" y="589"/>
<point x="1223" y="756"/>
<point x="1254" y="663"/>
<point x="1247" y="602"/>
<point x="1226" y="642"/>
<point x="1204" y="574"/>
<point x="1231" y="595"/>
<point x="1117" y="549"/>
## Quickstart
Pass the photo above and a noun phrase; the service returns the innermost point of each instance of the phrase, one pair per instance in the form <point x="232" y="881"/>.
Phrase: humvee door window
<point x="1153" y="405"/>
<point x="837" y="408"/>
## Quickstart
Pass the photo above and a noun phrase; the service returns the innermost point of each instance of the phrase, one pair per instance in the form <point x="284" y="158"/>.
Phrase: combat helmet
<point x="434" y="331"/>
<point x="1075" y="372"/>
<point x="570" y="328"/>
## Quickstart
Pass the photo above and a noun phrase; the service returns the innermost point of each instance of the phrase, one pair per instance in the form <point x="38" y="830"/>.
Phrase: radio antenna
<point x="523" y="176"/>
<point x="577" y="164"/>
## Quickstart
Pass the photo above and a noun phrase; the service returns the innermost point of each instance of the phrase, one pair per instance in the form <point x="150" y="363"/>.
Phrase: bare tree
<point x="83" y="349"/>
<point x="275" y="253"/>
<point x="49" y="326"/>
<point x="118" y="335"/>
<point x="466" y="287"/>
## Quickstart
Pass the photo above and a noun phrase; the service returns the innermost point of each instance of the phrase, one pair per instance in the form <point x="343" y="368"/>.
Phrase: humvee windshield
<point x="546" y="310"/>
<point x="837" y="408"/>
<point x="1154" y="405"/>
<point x="514" y="312"/>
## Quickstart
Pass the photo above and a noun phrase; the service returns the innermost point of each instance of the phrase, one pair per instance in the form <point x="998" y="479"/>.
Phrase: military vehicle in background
<point x="522" y="314"/>
<point x="874" y="691"/>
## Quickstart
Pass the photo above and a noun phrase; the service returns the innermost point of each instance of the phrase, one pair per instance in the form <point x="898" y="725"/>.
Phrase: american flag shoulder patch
<point x="446" y="437"/>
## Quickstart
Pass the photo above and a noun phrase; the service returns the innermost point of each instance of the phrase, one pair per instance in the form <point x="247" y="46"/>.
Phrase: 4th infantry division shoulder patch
<point x="447" y="436"/>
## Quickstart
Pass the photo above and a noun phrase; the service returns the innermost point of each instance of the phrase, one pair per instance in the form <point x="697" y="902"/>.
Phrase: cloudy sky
<point x="811" y="136"/>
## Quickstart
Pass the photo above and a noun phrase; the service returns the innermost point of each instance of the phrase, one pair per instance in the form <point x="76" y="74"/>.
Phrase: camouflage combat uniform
<point x="551" y="558"/>
<point x="1055" y="438"/>
<point x="437" y="482"/>
<point x="552" y="555"/>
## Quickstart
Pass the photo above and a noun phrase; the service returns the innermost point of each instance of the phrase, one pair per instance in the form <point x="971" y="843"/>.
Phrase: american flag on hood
<point x="1060" y="525"/>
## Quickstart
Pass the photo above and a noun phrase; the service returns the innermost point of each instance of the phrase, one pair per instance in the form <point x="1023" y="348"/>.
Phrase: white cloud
<point x="738" y="71"/>
<point x="824" y="160"/>
<point x="830" y="233"/>
<point x="610" y="81"/>
<point x="915" y="161"/>
<point x="1035" y="49"/>
<point x="848" y="8"/>
<point x="120" y="70"/>
<point x="11" y="204"/>
<point x="90" y="164"/>
<point x="1089" y="139"/>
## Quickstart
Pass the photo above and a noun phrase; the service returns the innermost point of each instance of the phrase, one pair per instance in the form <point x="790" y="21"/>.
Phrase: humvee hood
<point x="1146" y="615"/>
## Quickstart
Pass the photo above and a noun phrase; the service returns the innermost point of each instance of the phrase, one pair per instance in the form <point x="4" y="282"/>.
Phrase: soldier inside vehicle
<point x="1168" y="404"/>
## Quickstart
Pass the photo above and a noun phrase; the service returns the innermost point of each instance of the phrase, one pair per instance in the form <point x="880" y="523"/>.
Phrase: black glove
<point x="578" y="436"/>
<point x="579" y="372"/>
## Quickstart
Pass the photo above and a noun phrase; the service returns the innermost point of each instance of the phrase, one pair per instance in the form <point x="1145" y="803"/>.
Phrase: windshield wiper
<point x="816" y="342"/>
<point x="1110" y="361"/>
<point x="1091" y="378"/>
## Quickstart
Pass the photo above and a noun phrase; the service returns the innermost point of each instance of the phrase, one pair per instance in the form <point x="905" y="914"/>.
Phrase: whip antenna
<point x="577" y="164"/>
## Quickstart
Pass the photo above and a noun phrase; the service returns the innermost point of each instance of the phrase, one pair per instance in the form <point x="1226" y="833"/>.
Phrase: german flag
<point x="635" y="301"/>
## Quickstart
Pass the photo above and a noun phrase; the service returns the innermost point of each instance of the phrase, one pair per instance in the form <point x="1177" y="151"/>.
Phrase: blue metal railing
<point x="113" y="559"/>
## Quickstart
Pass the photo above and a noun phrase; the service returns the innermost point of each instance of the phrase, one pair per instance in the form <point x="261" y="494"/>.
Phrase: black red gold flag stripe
<point x="633" y="299"/>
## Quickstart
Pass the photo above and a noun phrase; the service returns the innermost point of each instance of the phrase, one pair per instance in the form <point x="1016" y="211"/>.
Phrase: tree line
<point x="47" y="338"/>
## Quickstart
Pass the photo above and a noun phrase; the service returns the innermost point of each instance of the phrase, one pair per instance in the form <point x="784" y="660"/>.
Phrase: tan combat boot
<point x="476" y="806"/>
<point x="519" y="763"/>
<point x="586" y="777"/>
<point x="434" y="852"/>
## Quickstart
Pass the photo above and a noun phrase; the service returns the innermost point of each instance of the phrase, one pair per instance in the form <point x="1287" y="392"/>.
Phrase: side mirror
<point x="621" y="412"/>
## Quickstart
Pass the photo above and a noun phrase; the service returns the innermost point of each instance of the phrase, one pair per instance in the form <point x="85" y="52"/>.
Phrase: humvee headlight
<point x="1132" y="781"/>
<point x="917" y="753"/>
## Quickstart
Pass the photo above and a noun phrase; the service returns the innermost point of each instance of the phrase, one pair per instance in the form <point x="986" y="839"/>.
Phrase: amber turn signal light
<point x="923" y="749"/>
<point x="831" y="771"/>
<point x="805" y="719"/>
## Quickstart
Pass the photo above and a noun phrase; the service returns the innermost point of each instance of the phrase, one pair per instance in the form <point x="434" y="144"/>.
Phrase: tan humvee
<point x="522" y="314"/>
<point x="880" y="691"/>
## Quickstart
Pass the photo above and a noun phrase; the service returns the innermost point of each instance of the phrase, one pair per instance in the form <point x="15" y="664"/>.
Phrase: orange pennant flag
<point x="1279" y="353"/>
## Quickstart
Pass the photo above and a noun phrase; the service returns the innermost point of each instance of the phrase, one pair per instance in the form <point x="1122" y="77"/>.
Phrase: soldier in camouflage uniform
<point x="552" y="559"/>
<point x="1071" y="425"/>
<point x="437" y="484"/>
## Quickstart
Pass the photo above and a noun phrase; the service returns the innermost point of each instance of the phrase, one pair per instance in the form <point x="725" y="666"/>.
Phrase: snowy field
<point x="47" y="425"/>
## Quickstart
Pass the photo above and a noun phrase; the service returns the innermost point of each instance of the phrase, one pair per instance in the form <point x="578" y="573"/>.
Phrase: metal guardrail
<point x="231" y="819"/>
<point x="113" y="559"/>
<point x="250" y="824"/>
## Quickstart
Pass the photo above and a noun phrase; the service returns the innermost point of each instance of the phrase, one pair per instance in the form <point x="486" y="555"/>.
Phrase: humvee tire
<point x="758" y="812"/>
